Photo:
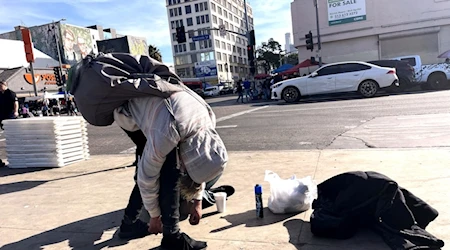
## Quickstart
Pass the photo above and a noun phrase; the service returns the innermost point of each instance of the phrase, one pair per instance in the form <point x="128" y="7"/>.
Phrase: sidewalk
<point x="80" y="206"/>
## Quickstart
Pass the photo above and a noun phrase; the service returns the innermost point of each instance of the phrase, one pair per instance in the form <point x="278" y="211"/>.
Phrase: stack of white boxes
<point x="46" y="141"/>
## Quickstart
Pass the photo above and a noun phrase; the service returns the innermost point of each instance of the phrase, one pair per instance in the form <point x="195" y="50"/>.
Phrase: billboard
<point x="346" y="11"/>
<point x="206" y="68"/>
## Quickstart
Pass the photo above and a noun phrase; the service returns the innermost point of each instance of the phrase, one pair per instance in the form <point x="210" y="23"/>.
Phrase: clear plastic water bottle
<point x="259" y="202"/>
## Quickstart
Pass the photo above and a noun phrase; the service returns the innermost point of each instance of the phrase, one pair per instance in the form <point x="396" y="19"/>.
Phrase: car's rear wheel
<point x="291" y="94"/>
<point x="368" y="88"/>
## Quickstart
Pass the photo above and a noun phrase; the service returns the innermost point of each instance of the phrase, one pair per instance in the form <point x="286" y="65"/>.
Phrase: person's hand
<point x="155" y="225"/>
<point x="196" y="213"/>
<point x="16" y="114"/>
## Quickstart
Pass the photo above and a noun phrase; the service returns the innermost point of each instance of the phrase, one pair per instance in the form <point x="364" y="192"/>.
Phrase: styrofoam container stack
<point x="46" y="141"/>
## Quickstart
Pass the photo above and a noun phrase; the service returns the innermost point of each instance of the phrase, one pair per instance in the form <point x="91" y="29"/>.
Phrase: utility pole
<point x="248" y="33"/>
<point x="319" y="44"/>
<point x="59" y="56"/>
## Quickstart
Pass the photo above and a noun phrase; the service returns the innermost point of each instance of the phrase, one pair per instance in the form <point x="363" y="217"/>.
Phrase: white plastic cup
<point x="221" y="201"/>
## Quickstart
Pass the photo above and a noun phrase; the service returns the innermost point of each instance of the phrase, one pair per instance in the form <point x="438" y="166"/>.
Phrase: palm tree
<point x="154" y="53"/>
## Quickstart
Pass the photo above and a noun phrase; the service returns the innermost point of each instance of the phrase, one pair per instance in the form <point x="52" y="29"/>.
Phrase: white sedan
<point x="363" y="77"/>
<point x="212" y="91"/>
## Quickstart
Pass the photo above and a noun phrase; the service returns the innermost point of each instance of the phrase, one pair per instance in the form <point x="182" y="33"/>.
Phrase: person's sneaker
<point x="227" y="189"/>
<point x="135" y="230"/>
<point x="181" y="242"/>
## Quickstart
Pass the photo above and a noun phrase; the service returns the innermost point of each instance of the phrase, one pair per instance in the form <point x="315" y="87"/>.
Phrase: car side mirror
<point x="314" y="74"/>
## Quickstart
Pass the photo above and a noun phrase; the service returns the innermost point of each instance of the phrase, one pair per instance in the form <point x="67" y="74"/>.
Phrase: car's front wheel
<point x="368" y="88"/>
<point x="291" y="94"/>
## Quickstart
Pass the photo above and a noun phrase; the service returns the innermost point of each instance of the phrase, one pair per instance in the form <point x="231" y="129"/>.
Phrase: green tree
<point x="291" y="59"/>
<point x="268" y="55"/>
<point x="154" y="53"/>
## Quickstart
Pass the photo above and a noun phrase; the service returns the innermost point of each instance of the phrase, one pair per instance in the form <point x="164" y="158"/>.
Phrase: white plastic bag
<point x="290" y="195"/>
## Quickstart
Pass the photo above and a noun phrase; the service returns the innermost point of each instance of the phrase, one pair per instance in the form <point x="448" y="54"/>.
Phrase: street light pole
<point x="319" y="43"/>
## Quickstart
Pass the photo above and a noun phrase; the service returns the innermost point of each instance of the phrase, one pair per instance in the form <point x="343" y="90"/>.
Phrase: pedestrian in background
<point x="240" y="91"/>
<point x="9" y="104"/>
<point x="247" y="86"/>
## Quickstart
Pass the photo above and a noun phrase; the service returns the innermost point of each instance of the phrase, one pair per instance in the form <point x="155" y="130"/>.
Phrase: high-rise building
<point x="287" y="42"/>
<point x="206" y="54"/>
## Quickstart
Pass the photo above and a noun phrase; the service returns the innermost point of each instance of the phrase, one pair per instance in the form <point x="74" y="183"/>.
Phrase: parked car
<point x="429" y="76"/>
<point x="212" y="91"/>
<point x="363" y="77"/>
<point x="226" y="90"/>
<point x="405" y="73"/>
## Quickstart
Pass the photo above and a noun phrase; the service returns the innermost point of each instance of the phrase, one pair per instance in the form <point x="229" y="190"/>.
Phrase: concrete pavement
<point x="80" y="206"/>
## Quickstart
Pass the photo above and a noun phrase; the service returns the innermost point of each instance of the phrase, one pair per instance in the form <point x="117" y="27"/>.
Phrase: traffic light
<point x="181" y="34"/>
<point x="57" y="72"/>
<point x="252" y="37"/>
<point x="250" y="54"/>
<point x="309" y="41"/>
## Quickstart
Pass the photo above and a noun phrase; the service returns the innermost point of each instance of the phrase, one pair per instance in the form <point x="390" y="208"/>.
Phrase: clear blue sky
<point x="144" y="18"/>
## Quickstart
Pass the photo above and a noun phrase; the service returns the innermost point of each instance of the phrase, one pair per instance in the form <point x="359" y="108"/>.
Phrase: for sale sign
<point x="346" y="11"/>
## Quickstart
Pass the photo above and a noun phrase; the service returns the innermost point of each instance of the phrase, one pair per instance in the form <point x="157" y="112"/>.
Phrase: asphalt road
<point x="313" y="123"/>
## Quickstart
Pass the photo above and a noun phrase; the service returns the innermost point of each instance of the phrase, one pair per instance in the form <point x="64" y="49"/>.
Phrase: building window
<point x="207" y="18"/>
<point x="207" y="56"/>
<point x="213" y="6"/>
<point x="229" y="5"/>
<point x="229" y="47"/>
<point x="230" y="59"/>
<point x="244" y="52"/>
<point x="198" y="19"/>
<point x="218" y="44"/>
<point x="231" y="69"/>
<point x="203" y="19"/>
<point x="239" y="50"/>
<point x="223" y="45"/>
<point x="187" y="9"/>
<point x="235" y="59"/>
<point x="220" y="21"/>
<point x="226" y="25"/>
<point x="171" y="12"/>
<point x="236" y="19"/>
<point x="236" y="69"/>
<point x="206" y="5"/>
<point x="245" y="60"/>
<point x="240" y="60"/>
<point x="172" y="24"/>
<point x="189" y="21"/>
<point x="219" y="56"/>
<point x="234" y="48"/>
<point x="214" y="19"/>
<point x="228" y="36"/>
<point x="192" y="46"/>
<point x="219" y="10"/>
<point x="174" y="36"/>
<point x="179" y="11"/>
<point x="175" y="48"/>
<point x="194" y="58"/>
<point x="196" y="7"/>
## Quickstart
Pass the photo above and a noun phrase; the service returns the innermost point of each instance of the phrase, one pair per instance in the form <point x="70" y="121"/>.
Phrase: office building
<point x="373" y="29"/>
<point x="206" y="54"/>
<point x="76" y="42"/>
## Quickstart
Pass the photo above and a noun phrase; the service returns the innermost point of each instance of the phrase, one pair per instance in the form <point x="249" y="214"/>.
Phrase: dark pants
<point x="168" y="183"/>
<point x="169" y="194"/>
<point x="135" y="202"/>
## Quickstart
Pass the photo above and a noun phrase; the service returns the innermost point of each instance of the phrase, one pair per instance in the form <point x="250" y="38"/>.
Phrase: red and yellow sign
<point x="49" y="78"/>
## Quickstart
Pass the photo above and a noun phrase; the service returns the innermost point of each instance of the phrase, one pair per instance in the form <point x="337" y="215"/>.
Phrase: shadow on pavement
<point x="25" y="185"/>
<point x="249" y="219"/>
<point x="80" y="235"/>
<point x="5" y="171"/>
<point x="345" y="97"/>
<point x="300" y="235"/>
<point x="294" y="228"/>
